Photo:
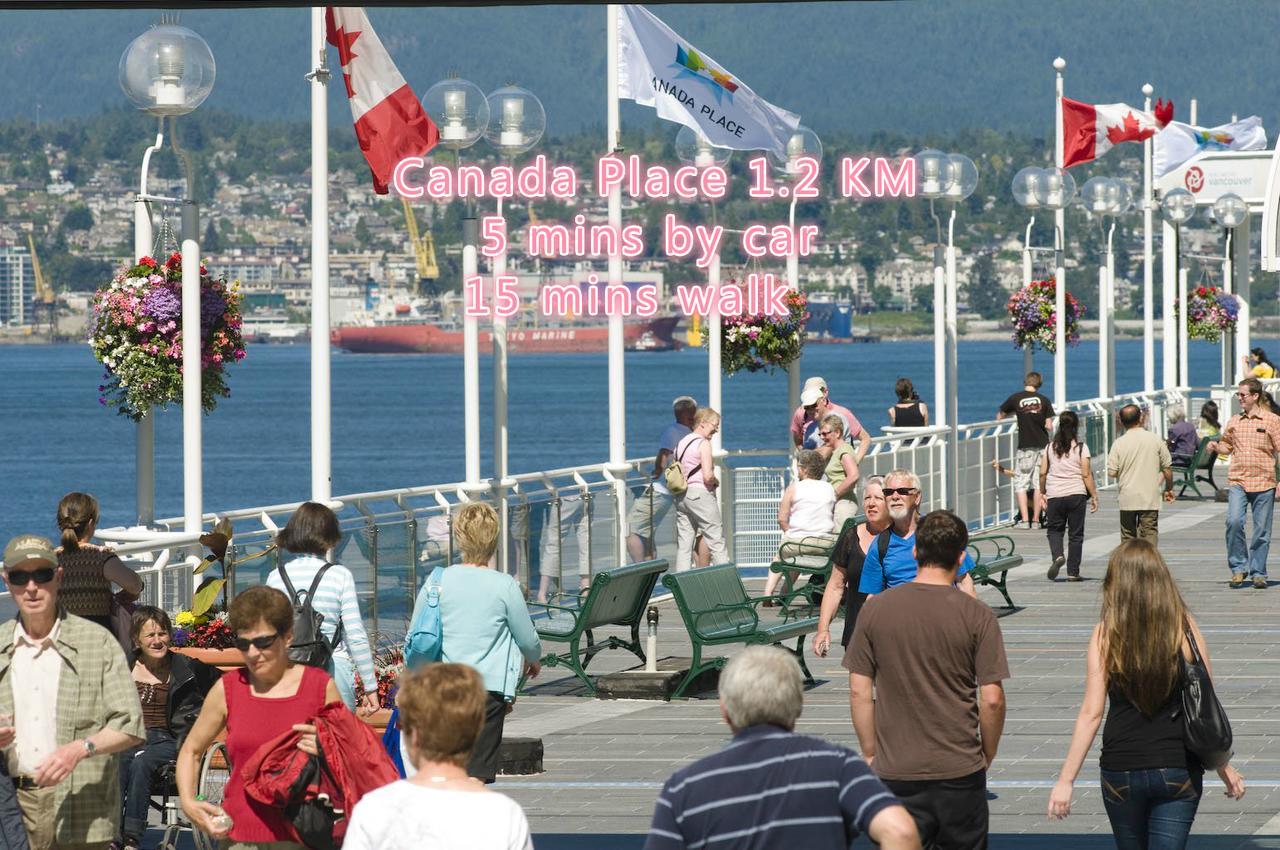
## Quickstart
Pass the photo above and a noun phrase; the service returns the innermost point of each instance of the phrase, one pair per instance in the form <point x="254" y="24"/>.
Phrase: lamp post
<point x="461" y="111"/>
<point x="1025" y="184"/>
<point x="520" y="126"/>
<point x="1230" y="211"/>
<point x="1055" y="190"/>
<point x="168" y="71"/>
<point x="949" y="177"/>
<point x="802" y="143"/>
<point x="1103" y="197"/>
<point x="1177" y="206"/>
<point x="693" y="148"/>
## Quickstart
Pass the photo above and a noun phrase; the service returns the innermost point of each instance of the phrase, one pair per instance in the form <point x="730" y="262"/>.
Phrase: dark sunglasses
<point x="263" y="642"/>
<point x="20" y="578"/>
<point x="899" y="491"/>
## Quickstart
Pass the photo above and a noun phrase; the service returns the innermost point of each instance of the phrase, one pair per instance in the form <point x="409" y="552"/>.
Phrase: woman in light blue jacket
<point x="485" y="624"/>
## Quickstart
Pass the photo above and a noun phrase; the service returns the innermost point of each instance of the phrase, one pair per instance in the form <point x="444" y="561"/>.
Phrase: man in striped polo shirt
<point x="771" y="788"/>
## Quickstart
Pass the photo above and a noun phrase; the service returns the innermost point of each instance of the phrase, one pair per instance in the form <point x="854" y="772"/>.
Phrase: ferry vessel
<point x="440" y="338"/>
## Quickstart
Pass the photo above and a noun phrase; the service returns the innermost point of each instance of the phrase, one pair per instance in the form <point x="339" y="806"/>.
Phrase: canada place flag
<point x="658" y="68"/>
<point x="390" y="122"/>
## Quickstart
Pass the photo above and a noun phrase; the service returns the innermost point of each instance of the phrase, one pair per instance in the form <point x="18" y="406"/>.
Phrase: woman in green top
<point x="842" y="470"/>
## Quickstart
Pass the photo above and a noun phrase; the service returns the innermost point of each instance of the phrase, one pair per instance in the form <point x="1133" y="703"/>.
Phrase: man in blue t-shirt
<point x="902" y="493"/>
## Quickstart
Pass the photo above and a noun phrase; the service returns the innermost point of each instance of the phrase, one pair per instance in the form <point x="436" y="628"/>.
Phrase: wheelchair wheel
<point x="215" y="772"/>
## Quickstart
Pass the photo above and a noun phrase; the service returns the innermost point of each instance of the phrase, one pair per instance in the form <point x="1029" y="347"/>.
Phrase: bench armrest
<point x="742" y="630"/>
<point x="573" y="612"/>
<point x="1002" y="543"/>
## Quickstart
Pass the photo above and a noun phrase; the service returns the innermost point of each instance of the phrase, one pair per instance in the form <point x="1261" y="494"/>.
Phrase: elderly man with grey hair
<point x="771" y="788"/>
<point x="891" y="558"/>
<point x="1183" y="439"/>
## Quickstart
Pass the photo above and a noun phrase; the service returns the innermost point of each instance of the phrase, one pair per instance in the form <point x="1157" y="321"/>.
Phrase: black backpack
<point x="309" y="645"/>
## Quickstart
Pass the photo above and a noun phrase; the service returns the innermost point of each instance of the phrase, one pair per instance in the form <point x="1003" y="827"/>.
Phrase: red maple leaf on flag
<point x="1128" y="131"/>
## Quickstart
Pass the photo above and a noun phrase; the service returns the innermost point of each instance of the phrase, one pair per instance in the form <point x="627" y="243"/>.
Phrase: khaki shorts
<point x="648" y="511"/>
<point x="1026" y="465"/>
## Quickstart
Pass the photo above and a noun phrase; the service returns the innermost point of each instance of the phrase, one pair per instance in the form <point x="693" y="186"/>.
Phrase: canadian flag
<point x="390" y="122"/>
<point x="1090" y="130"/>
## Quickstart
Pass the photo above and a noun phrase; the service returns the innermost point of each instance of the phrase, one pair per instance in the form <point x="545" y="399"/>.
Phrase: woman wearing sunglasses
<point x="254" y="704"/>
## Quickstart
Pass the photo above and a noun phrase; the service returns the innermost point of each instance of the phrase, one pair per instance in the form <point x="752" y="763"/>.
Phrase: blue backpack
<point x="424" y="643"/>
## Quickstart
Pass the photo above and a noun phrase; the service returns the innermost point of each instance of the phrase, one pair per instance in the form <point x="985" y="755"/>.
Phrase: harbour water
<point x="398" y="421"/>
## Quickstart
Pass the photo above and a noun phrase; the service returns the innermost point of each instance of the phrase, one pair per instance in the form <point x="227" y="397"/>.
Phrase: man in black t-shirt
<point x="1035" y="420"/>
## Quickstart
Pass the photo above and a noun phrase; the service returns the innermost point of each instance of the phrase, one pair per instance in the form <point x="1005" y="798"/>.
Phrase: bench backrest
<point x="620" y="596"/>
<point x="1203" y="458"/>
<point x="705" y="588"/>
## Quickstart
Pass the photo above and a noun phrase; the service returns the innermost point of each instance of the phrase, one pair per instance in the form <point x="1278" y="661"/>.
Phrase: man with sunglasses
<point x="891" y="557"/>
<point x="815" y="403"/>
<point x="1252" y="440"/>
<point x="59" y="735"/>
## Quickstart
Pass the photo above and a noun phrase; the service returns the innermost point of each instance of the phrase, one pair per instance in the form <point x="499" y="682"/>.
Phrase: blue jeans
<point x="1253" y="558"/>
<point x="138" y="766"/>
<point x="1151" y="809"/>
<point x="343" y="671"/>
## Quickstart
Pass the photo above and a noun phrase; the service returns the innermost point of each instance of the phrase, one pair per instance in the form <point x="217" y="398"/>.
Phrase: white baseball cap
<point x="815" y="381"/>
<point x="810" y="396"/>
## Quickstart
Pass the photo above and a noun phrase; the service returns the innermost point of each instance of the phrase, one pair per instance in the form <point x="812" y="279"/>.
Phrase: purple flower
<point x="162" y="304"/>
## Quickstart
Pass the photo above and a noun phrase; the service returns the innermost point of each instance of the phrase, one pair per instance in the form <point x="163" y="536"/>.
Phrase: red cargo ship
<point x="430" y="338"/>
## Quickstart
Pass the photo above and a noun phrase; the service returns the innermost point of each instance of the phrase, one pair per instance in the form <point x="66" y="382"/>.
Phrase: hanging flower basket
<point x="1211" y="313"/>
<point x="1031" y="312"/>
<point x="759" y="341"/>
<point x="137" y="335"/>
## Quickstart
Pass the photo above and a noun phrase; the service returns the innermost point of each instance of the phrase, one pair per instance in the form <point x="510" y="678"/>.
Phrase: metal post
<point x="321" y="454"/>
<point x="1238" y="252"/>
<point x="617" y="349"/>
<point x="1026" y="281"/>
<point x="651" y="642"/>
<point x="715" y="392"/>
<point x="470" y="359"/>
<point x="500" y="444"/>
<point x="1060" y="225"/>
<point x="1111" y="319"/>
<point x="793" y="281"/>
<point x="145" y="461"/>
<point x="1228" y="371"/>
<point x="953" y="413"/>
<point x="1106" y="306"/>
<point x="939" y="334"/>
<point x="1148" y="263"/>
<point x="192" y="405"/>
<point x="1060" y="329"/>
<point x="1184" y="378"/>
<point x="1169" y="283"/>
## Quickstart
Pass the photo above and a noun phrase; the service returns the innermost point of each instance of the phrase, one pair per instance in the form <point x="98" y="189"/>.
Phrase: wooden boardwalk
<point x="605" y="761"/>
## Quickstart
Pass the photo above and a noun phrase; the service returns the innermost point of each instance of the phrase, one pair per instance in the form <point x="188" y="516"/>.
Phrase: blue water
<point x="397" y="419"/>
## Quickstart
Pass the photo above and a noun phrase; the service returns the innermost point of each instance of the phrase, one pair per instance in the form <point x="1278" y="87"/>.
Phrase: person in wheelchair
<point x="171" y="688"/>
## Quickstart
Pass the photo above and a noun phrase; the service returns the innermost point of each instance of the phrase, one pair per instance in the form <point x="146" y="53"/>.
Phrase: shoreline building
<point x="17" y="285"/>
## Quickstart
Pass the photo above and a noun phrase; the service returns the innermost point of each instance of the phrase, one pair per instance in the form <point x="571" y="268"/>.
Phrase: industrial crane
<point x="45" y="302"/>
<point x="424" y="249"/>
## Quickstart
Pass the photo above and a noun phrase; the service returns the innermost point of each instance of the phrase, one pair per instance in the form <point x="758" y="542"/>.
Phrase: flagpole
<point x="1169" y="283"/>
<point x="1148" y="262"/>
<point x="1060" y="298"/>
<point x="321" y="471"/>
<point x="617" y="351"/>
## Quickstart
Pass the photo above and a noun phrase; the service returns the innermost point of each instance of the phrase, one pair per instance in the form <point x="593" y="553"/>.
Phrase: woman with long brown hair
<point x="1151" y="783"/>
<point x="89" y="571"/>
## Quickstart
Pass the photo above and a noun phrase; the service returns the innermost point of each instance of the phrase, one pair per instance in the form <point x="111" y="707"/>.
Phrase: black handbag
<point x="1205" y="726"/>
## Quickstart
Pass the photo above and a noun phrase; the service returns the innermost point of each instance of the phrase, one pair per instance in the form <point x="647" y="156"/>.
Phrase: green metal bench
<point x="1201" y="462"/>
<point x="809" y="556"/>
<point x="617" y="597"/>
<point x="993" y="554"/>
<point x="717" y="611"/>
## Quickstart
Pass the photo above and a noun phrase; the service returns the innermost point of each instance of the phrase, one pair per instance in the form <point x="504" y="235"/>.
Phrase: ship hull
<point x="425" y="338"/>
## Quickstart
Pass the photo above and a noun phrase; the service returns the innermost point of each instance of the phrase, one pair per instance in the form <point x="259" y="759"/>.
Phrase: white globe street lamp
<point x="167" y="72"/>
<point x="693" y="148"/>
<point x="520" y="120"/>
<point x="1178" y="206"/>
<point x="803" y="142"/>
<point x="461" y="111"/>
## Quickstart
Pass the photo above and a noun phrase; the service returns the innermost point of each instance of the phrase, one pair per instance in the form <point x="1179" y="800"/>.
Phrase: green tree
<point x="212" y="238"/>
<point x="869" y="257"/>
<point x="883" y="297"/>
<point x="986" y="296"/>
<point x="78" y="218"/>
<point x="922" y="298"/>
<point x="362" y="233"/>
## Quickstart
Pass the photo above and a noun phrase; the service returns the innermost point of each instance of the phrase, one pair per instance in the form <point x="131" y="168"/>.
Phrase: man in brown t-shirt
<point x="929" y="649"/>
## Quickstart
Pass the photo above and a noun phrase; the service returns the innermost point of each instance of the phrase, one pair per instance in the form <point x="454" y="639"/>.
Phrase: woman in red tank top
<point x="254" y="704"/>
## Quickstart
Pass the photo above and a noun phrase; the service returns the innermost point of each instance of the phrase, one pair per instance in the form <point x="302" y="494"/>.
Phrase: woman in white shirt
<point x="313" y="532"/>
<point x="1066" y="486"/>
<point x="807" y="510"/>
<point x="441" y="808"/>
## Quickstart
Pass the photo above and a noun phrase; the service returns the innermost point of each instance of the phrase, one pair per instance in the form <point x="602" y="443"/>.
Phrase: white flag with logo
<point x="1179" y="142"/>
<point x="658" y="68"/>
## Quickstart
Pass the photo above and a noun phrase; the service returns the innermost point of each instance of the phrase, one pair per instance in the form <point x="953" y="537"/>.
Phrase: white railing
<point x="564" y="524"/>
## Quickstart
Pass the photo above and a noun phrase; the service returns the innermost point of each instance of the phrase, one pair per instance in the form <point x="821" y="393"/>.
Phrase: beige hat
<point x="29" y="547"/>
<point x="810" y="396"/>
<point x="815" y="381"/>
